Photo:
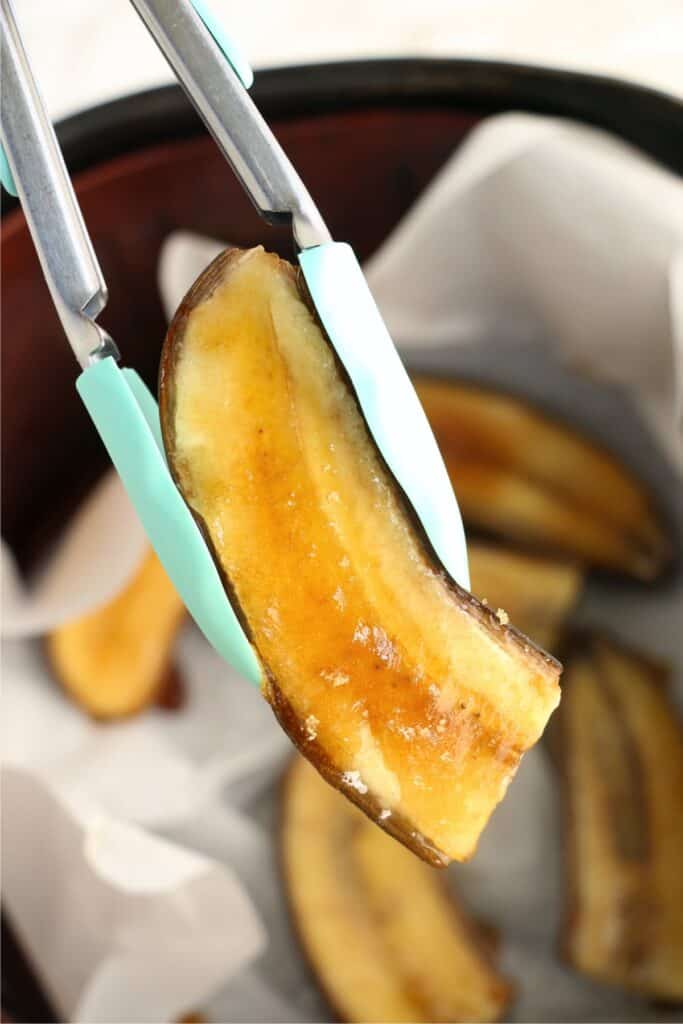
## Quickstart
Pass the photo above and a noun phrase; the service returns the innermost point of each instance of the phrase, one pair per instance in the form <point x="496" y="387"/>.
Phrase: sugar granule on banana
<point x="537" y="593"/>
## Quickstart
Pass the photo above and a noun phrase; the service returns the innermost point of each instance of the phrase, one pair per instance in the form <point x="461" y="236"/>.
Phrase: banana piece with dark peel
<point x="535" y="593"/>
<point x="386" y="939"/>
<point x="405" y="691"/>
<point x="621" y="749"/>
<point x="116" y="660"/>
<point x="526" y="478"/>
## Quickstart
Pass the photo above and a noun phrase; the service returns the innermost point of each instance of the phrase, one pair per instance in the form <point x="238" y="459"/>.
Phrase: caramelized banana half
<point x="621" y="747"/>
<point x="405" y="691"/>
<point x="535" y="593"/>
<point x="386" y="939"/>
<point x="116" y="660"/>
<point x="523" y="477"/>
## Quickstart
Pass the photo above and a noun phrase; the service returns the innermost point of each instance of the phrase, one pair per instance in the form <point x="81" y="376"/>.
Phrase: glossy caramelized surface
<point x="114" y="661"/>
<point x="405" y="691"/>
<point x="386" y="938"/>
<point x="522" y="476"/>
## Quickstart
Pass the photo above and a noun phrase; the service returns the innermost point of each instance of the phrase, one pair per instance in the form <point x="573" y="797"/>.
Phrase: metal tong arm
<point x="54" y="218"/>
<point x="232" y="118"/>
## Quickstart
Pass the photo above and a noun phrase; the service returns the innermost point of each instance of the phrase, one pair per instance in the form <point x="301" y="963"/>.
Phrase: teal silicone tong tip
<point x="120" y="405"/>
<point x="6" y="178"/>
<point x="390" y="406"/>
<point x="127" y="419"/>
<point x="231" y="50"/>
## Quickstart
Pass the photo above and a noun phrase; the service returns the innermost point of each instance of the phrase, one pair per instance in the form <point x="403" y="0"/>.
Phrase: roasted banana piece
<point x="385" y="937"/>
<point x="523" y="477"/>
<point x="117" y="660"/>
<point x="621" y="752"/>
<point x="405" y="691"/>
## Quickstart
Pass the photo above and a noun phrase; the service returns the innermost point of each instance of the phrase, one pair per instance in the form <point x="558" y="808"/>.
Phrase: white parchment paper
<point x="140" y="859"/>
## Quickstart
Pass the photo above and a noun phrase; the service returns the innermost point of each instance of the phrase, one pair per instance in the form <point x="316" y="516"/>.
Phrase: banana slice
<point x="621" y="747"/>
<point x="117" y="660"/>
<point x="526" y="478"/>
<point x="404" y="691"/>
<point x="386" y="939"/>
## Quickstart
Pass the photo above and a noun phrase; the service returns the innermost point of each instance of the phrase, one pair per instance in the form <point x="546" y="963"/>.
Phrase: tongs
<point x="216" y="77"/>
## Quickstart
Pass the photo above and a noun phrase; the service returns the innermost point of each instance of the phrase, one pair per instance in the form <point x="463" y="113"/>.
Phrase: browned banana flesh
<point x="526" y="478"/>
<point x="116" y="660"/>
<point x="622" y="766"/>
<point x="386" y="939"/>
<point x="403" y="690"/>
<point x="535" y="593"/>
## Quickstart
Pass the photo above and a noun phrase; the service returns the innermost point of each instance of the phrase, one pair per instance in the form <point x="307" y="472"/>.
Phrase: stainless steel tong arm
<point x="232" y="118"/>
<point x="66" y="254"/>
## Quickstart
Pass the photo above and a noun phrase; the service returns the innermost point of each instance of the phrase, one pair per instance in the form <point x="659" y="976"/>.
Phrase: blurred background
<point x="79" y="45"/>
<point x="155" y="867"/>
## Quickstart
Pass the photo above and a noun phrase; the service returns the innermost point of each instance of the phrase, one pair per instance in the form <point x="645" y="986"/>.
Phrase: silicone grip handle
<point x="6" y="177"/>
<point x="232" y="52"/>
<point x="127" y="419"/>
<point x="387" y="397"/>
